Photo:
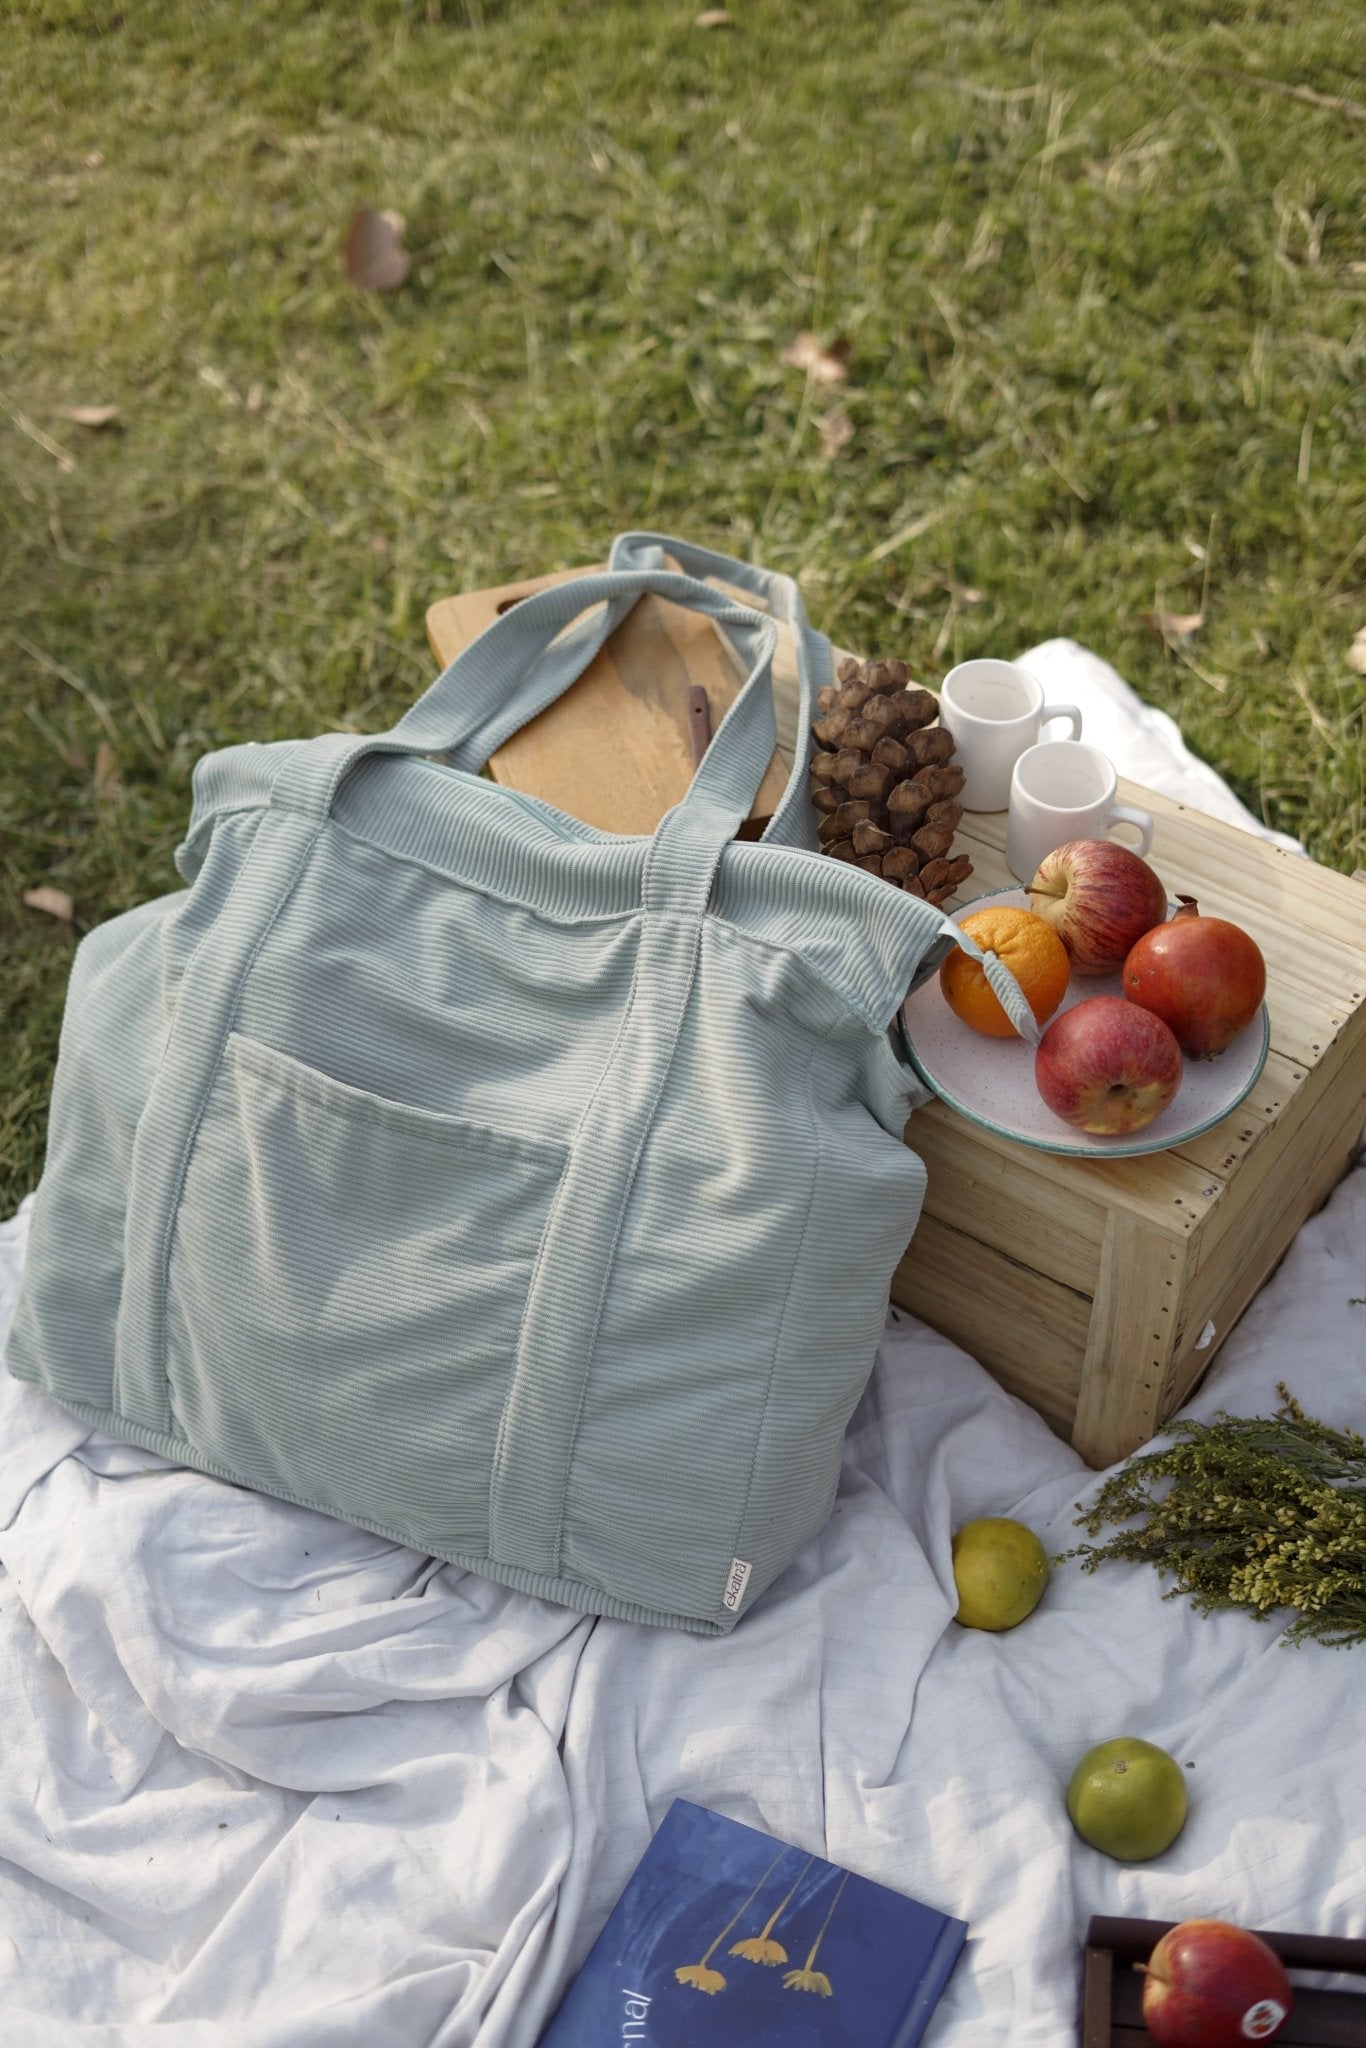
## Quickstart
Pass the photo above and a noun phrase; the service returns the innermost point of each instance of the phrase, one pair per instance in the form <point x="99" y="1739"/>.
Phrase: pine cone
<point x="883" y="782"/>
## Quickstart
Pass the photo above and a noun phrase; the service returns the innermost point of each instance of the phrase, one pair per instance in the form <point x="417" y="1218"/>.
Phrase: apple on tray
<point x="1208" y="1984"/>
<point x="1100" y="899"/>
<point x="1107" y="1066"/>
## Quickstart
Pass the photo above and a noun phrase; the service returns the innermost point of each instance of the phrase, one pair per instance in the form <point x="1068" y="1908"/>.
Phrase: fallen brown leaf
<point x="836" y="432"/>
<point x="1178" y="629"/>
<point x="373" y="255"/>
<point x="1356" y="653"/>
<point x="822" y="365"/>
<point x="89" y="415"/>
<point x="108" y="782"/>
<point x="55" y="902"/>
<point x="713" y="17"/>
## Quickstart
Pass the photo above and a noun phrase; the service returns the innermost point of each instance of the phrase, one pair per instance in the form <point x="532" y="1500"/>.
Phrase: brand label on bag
<point x="736" y="1583"/>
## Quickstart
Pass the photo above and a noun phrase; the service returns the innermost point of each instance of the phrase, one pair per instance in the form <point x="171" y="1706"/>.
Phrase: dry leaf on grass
<point x="836" y="432"/>
<point x="1356" y="653"/>
<point x="822" y="365"/>
<point x="374" y="255"/>
<point x="108" y="782"/>
<point x="1178" y="629"/>
<point x="713" y="17"/>
<point x="89" y="415"/>
<point x="55" y="902"/>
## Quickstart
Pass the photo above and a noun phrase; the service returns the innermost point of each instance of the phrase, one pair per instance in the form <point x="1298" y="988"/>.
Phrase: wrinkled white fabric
<point x="1143" y="742"/>
<point x="270" y="1782"/>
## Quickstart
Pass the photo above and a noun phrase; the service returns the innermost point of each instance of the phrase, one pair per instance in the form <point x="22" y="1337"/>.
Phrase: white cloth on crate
<point x="1143" y="742"/>
<point x="270" y="1782"/>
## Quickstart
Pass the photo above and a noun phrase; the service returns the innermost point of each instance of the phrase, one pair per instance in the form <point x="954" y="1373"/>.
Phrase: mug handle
<point x="1068" y="711"/>
<point x="1122" y="814"/>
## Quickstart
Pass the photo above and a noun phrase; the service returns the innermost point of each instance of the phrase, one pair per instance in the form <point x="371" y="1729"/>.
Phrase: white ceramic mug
<point x="1061" y="790"/>
<point x="994" y="709"/>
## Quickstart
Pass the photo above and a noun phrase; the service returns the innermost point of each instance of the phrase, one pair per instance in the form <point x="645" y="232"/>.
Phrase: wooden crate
<point x="1099" y="1291"/>
<point x="1112" y="1989"/>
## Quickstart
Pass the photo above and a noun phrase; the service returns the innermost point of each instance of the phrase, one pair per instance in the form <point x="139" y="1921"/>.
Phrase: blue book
<point x="724" y="1935"/>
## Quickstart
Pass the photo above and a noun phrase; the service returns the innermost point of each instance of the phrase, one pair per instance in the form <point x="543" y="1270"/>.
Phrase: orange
<point x="1033" y="952"/>
<point x="1127" y="1797"/>
<point x="1000" y="1569"/>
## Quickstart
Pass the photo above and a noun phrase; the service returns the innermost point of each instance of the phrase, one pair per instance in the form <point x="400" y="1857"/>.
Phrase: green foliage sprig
<point x="1260" y="1512"/>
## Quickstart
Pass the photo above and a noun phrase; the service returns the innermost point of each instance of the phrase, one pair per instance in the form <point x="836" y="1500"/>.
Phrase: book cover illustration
<point x="725" y="1935"/>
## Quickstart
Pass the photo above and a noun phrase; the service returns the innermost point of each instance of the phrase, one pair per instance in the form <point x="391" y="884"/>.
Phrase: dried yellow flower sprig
<point x="1260" y="1512"/>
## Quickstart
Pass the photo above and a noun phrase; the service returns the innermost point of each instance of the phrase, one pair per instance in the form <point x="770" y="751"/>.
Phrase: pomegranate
<point x="1203" y="976"/>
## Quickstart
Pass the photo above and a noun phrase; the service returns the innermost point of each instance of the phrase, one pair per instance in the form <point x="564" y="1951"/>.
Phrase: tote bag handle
<point x="527" y="658"/>
<point x="533" y="652"/>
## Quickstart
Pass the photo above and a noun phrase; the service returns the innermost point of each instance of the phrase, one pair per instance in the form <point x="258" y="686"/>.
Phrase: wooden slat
<point x="1027" y="1331"/>
<point x="1132" y="1940"/>
<point x="1228" y="1147"/>
<point x="1097" y="1979"/>
<point x="1134" y="1332"/>
<point x="1262" y="1214"/>
<point x="985" y="1189"/>
<point x="1322" y="1111"/>
<point x="1242" y="868"/>
<point x="1324" y="2019"/>
<point x="1154" y="1186"/>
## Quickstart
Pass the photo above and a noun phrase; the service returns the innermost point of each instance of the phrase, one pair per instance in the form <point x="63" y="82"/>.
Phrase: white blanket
<point x="273" y="1783"/>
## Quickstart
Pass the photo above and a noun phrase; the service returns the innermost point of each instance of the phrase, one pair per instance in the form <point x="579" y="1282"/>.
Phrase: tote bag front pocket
<point x="345" y="1290"/>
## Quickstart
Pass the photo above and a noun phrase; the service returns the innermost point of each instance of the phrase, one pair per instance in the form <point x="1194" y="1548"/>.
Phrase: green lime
<point x="1000" y="1569"/>
<point x="1128" y="1798"/>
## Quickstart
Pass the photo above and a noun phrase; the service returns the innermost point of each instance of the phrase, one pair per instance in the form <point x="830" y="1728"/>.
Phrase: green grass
<point x="1103" y="290"/>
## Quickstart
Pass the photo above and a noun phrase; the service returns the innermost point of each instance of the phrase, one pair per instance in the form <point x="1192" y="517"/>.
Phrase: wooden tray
<point x="1112" y="1990"/>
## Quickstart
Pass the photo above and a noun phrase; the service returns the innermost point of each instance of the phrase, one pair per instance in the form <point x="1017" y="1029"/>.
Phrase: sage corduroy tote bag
<point x="525" y="1193"/>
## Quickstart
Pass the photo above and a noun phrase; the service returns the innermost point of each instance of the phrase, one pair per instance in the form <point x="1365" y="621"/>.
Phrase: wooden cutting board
<point x="616" y="749"/>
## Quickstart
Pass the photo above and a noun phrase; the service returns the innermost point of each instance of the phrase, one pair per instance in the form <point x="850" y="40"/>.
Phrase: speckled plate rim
<point x="1124" y="1148"/>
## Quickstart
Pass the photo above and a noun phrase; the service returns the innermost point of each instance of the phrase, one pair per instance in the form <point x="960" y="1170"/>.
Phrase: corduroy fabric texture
<point x="527" y="1194"/>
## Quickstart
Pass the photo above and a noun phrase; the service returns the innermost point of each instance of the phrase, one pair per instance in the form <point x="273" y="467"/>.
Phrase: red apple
<point x="1211" y="1985"/>
<point x="1099" y="898"/>
<point x="1107" y="1066"/>
<point x="1202" y="975"/>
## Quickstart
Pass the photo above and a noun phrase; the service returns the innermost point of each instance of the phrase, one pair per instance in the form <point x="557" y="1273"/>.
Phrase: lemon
<point x="1000" y="1569"/>
<point x="1128" y="1798"/>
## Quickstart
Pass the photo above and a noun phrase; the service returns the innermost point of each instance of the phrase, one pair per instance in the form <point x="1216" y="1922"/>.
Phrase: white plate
<point x="991" y="1080"/>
